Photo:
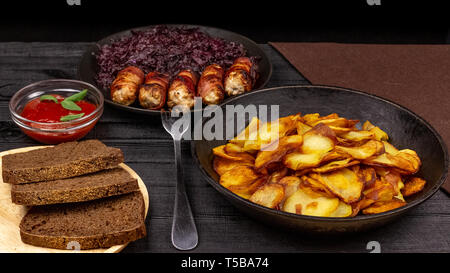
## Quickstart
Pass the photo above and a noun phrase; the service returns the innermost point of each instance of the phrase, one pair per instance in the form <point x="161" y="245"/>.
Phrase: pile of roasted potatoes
<point x="318" y="166"/>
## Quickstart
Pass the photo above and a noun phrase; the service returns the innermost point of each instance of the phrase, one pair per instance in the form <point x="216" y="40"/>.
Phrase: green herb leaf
<point x="71" y="117"/>
<point x="70" y="105"/>
<point x="48" y="97"/>
<point x="78" y="96"/>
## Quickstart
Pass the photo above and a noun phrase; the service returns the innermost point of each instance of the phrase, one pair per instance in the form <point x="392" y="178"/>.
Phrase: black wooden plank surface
<point x="148" y="150"/>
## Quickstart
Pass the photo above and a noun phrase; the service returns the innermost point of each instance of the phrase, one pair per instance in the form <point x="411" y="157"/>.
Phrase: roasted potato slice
<point x="302" y="128"/>
<point x="332" y="124"/>
<point x="231" y="148"/>
<point x="290" y="184"/>
<point x="364" y="203"/>
<point x="238" y="176"/>
<point x="360" y="205"/>
<point x="317" y="143"/>
<point x="386" y="160"/>
<point x="394" y="178"/>
<point x="335" y="165"/>
<point x="222" y="165"/>
<point x="304" y="163"/>
<point x="310" y="119"/>
<point x="380" y="170"/>
<point x="329" y="120"/>
<point x="220" y="151"/>
<point x="340" y="130"/>
<point x="299" y="161"/>
<point x="379" y="134"/>
<point x="368" y="149"/>
<point x="389" y="148"/>
<point x="343" y="183"/>
<point x="381" y="190"/>
<point x="335" y="120"/>
<point x="269" y="195"/>
<point x="383" y="206"/>
<point x="320" y="139"/>
<point x="405" y="160"/>
<point x="368" y="175"/>
<point x="252" y="146"/>
<point x="367" y="125"/>
<point x="413" y="185"/>
<point x="276" y="151"/>
<point x="357" y="136"/>
<point x="303" y="203"/>
<point x="413" y="159"/>
<point x="311" y="183"/>
<point x="345" y="142"/>
<point x="333" y="156"/>
<point x="246" y="191"/>
<point x="258" y="135"/>
<point x="342" y="210"/>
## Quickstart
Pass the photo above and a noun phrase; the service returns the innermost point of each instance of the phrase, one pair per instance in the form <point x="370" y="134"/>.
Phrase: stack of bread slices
<point x="79" y="196"/>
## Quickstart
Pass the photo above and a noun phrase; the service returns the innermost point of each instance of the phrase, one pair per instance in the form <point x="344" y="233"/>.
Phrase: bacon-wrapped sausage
<point x="239" y="78"/>
<point x="182" y="89"/>
<point x="210" y="85"/>
<point x="126" y="85"/>
<point x="153" y="93"/>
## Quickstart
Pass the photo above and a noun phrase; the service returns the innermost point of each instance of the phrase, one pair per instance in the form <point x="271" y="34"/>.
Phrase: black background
<point x="263" y="21"/>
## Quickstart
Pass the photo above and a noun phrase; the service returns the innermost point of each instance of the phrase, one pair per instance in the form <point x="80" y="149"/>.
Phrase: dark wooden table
<point x="148" y="150"/>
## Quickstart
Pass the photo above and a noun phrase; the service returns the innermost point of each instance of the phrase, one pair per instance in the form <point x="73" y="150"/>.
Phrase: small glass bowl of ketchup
<point x="41" y="119"/>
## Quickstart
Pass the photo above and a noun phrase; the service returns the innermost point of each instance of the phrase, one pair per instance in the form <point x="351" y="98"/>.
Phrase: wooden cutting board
<point x="11" y="215"/>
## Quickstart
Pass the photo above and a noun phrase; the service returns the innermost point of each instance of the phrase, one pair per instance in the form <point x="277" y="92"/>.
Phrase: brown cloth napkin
<point x="415" y="76"/>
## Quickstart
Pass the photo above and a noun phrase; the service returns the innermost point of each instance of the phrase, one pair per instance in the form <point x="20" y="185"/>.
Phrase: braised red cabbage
<point x="167" y="50"/>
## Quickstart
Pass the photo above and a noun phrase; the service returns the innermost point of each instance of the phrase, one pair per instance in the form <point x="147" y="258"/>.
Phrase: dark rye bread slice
<point x="61" y="161"/>
<point x="76" y="189"/>
<point x="100" y="223"/>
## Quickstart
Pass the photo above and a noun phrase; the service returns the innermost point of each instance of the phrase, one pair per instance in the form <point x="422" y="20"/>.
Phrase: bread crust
<point x="86" y="242"/>
<point x="100" y="158"/>
<point x="91" y="241"/>
<point x="118" y="182"/>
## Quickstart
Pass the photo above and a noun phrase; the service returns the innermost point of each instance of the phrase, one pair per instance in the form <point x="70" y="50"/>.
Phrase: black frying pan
<point x="87" y="69"/>
<point x="405" y="129"/>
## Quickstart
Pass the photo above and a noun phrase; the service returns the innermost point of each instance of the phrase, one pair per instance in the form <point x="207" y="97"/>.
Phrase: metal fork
<point x="184" y="231"/>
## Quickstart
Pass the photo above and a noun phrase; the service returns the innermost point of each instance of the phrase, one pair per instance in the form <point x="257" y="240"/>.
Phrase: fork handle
<point x="184" y="231"/>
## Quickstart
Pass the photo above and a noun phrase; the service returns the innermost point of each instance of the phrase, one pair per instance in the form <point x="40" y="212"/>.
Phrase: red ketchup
<point x="47" y="111"/>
